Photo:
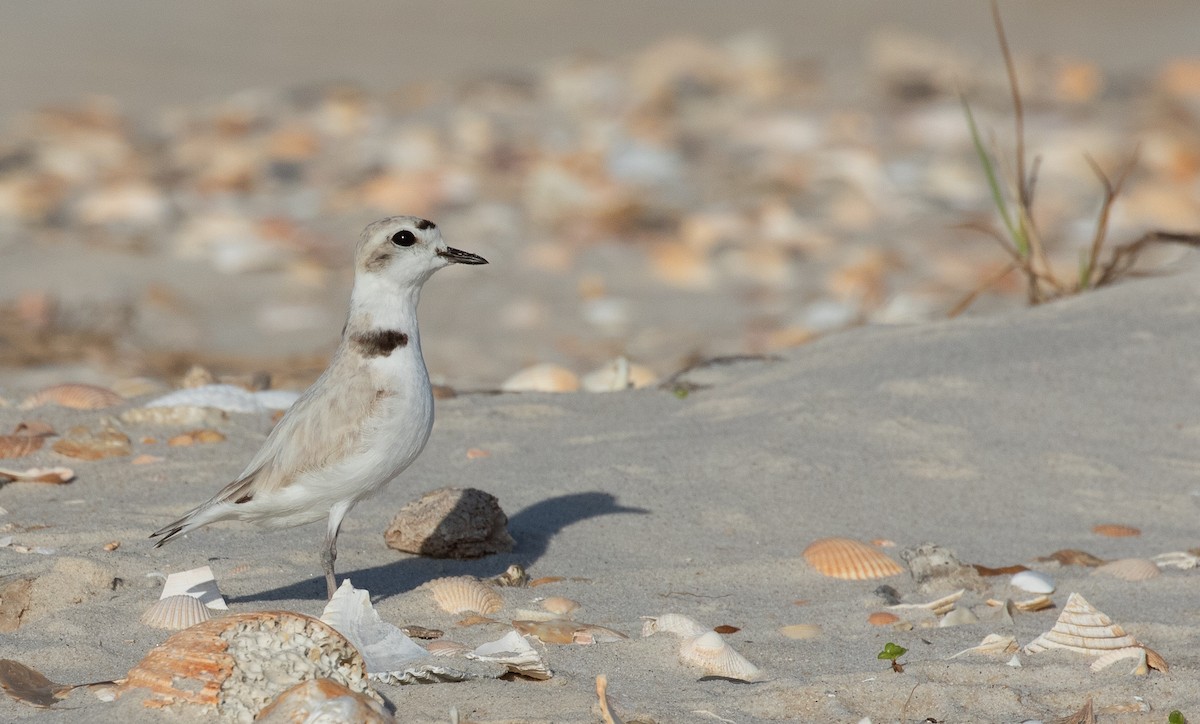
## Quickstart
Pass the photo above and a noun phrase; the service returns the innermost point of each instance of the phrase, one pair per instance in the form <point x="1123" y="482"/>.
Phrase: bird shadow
<point x="532" y="529"/>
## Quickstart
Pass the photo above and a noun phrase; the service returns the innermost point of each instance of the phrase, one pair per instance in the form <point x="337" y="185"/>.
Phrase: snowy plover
<point x="369" y="414"/>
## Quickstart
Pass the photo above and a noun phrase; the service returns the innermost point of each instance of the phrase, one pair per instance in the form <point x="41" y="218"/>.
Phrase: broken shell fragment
<point x="715" y="657"/>
<point x="1113" y="530"/>
<point x="882" y="618"/>
<point x="1130" y="569"/>
<point x="460" y="594"/>
<point x="318" y="700"/>
<point x="446" y="647"/>
<point x="1028" y="605"/>
<point x="1146" y="658"/>
<point x="53" y="476"/>
<point x="85" y="444"/>
<point x="1082" y="629"/>
<point x="513" y="577"/>
<point x="176" y="613"/>
<point x="542" y="378"/>
<point x="849" y="559"/>
<point x="673" y="623"/>
<point x="559" y="631"/>
<point x="199" y="583"/>
<point x="236" y="664"/>
<point x="1176" y="559"/>
<point x="21" y="443"/>
<point x="560" y="606"/>
<point x="991" y="644"/>
<point x="939" y="607"/>
<point x="182" y="415"/>
<point x="75" y="395"/>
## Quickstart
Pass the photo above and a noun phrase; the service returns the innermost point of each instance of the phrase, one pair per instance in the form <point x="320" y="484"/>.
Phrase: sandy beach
<point x="775" y="254"/>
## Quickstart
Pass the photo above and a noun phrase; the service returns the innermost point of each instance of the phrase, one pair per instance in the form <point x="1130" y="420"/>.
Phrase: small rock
<point x="451" y="523"/>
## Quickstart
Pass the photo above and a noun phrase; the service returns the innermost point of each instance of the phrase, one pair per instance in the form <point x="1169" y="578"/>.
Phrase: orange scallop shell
<point x="849" y="559"/>
<point x="1113" y="530"/>
<point x="195" y="666"/>
<point x="75" y="395"/>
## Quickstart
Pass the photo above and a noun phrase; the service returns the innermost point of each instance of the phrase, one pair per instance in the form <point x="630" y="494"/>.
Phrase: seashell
<point x="323" y="700"/>
<point x="445" y="647"/>
<point x="229" y="398"/>
<point x="715" y="657"/>
<point x="182" y="415"/>
<point x="76" y="395"/>
<point x="202" y="436"/>
<point x="991" y="644"/>
<point x="1147" y="659"/>
<point x="552" y="631"/>
<point x="673" y="623"/>
<point x="516" y="654"/>
<point x="1112" y="530"/>
<point x="84" y="444"/>
<point x="31" y="686"/>
<point x="235" y="664"/>
<point x="606" y="714"/>
<point x="560" y="605"/>
<point x="513" y="577"/>
<point x="801" y="631"/>
<point x="460" y="594"/>
<point x="53" y="476"/>
<point x="1130" y="569"/>
<point x="1033" y="582"/>
<point x="176" y="613"/>
<point x="1082" y="629"/>
<point x="882" y="618"/>
<point x="1029" y="605"/>
<point x="16" y="446"/>
<point x="958" y="617"/>
<point x="1073" y="557"/>
<point x="542" y="378"/>
<point x="620" y="374"/>
<point x="420" y="632"/>
<point x="138" y="386"/>
<point x="1176" y="559"/>
<point x="849" y="560"/>
<point x="939" y="607"/>
<point x="199" y="583"/>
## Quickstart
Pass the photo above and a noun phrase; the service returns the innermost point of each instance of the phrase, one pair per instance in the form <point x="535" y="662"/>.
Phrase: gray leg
<point x="329" y="554"/>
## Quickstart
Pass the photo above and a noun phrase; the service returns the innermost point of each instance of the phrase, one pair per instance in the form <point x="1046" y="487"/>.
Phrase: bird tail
<point x="169" y="532"/>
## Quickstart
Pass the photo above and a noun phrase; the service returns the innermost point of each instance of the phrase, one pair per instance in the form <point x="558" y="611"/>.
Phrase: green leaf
<point x="1016" y="234"/>
<point x="1176" y="717"/>
<point x="891" y="652"/>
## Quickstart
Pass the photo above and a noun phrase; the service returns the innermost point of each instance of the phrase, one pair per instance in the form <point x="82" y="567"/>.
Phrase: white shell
<point x="198" y="583"/>
<point x="674" y="623"/>
<point x="176" y="613"/>
<point x="940" y="607"/>
<point x="991" y="644"/>
<point x="229" y="398"/>
<point x="1130" y="569"/>
<point x="717" y="658"/>
<point x="958" y="617"/>
<point x="1082" y="629"/>
<point x="1033" y="582"/>
<point x="1176" y="559"/>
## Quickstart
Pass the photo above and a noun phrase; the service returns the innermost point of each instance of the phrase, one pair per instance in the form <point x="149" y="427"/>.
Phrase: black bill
<point x="458" y="256"/>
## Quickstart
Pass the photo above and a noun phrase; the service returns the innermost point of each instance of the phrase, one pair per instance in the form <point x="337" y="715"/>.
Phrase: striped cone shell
<point x="849" y="559"/>
<point x="1082" y="629"/>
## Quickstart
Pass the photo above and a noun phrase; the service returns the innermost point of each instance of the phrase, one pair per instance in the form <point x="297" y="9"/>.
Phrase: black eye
<point x="404" y="238"/>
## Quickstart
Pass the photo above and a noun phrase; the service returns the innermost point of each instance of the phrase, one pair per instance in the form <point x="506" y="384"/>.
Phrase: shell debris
<point x="52" y="476"/>
<point x="1130" y="569"/>
<point x="713" y="655"/>
<point x="85" y="444"/>
<point x="992" y="644"/>
<point x="849" y="560"/>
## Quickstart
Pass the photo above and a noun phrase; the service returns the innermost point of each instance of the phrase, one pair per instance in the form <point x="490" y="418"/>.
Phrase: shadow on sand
<point x="532" y="528"/>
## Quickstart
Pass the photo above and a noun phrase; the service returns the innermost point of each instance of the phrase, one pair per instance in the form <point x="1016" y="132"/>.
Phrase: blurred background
<point x="182" y="183"/>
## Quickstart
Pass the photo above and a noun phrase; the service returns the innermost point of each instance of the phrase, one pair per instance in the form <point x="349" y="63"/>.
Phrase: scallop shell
<point x="674" y="623"/>
<point x="229" y="398"/>
<point x="235" y="664"/>
<point x="446" y="647"/>
<point x="176" y="613"/>
<point x="75" y="395"/>
<point x="460" y="594"/>
<point x="1082" y="629"/>
<point x="849" y="559"/>
<point x="882" y="618"/>
<point x="542" y="378"/>
<point x="1113" y="530"/>
<point x="715" y="657"/>
<point x="16" y="446"/>
<point x="1130" y="569"/>
<point x="322" y="700"/>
